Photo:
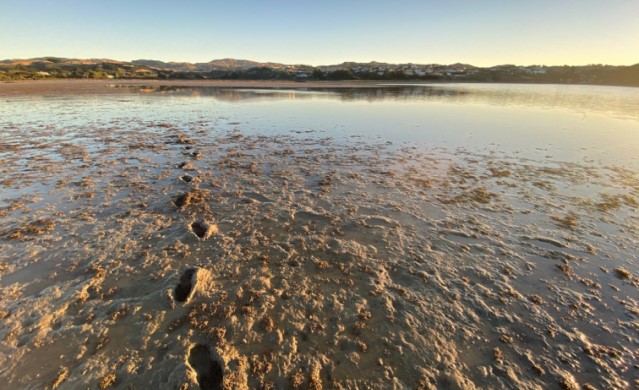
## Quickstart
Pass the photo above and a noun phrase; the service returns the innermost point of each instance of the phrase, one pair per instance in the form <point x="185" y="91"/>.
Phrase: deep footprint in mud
<point x="184" y="287"/>
<point x="203" y="229"/>
<point x="209" y="372"/>
<point x="181" y="201"/>
<point x="184" y="200"/>
<point x="199" y="229"/>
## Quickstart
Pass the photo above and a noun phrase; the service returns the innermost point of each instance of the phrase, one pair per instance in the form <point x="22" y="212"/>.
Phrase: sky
<point x="478" y="32"/>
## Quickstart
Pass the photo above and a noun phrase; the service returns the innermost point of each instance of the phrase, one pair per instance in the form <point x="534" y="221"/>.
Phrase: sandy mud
<point x="178" y="255"/>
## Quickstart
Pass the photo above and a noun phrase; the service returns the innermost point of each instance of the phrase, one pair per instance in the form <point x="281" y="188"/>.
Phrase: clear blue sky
<point x="480" y="32"/>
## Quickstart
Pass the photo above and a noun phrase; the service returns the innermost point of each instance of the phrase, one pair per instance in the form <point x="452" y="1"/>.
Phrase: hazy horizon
<point x="482" y="34"/>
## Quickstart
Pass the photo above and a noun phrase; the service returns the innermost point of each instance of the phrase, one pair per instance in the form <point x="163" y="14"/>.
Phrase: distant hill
<point x="59" y="60"/>
<point x="181" y="66"/>
<point x="221" y="64"/>
<point x="230" y="68"/>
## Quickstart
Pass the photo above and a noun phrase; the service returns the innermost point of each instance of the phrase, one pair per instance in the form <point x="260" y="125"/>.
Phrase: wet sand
<point x="179" y="255"/>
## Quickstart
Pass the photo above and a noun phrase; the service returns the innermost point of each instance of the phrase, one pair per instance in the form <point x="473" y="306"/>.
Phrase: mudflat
<point x="188" y="241"/>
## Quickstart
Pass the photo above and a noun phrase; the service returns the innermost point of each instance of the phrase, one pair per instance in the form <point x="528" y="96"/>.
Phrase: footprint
<point x="184" y="287"/>
<point x="182" y="201"/>
<point x="199" y="229"/>
<point x="379" y="221"/>
<point x="191" y="197"/>
<point x="203" y="229"/>
<point x="209" y="372"/>
<point x="257" y="197"/>
<point x="185" y="165"/>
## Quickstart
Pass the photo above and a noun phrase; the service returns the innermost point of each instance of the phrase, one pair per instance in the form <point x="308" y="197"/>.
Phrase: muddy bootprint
<point x="184" y="200"/>
<point x="181" y="201"/>
<point x="203" y="229"/>
<point x="209" y="372"/>
<point x="199" y="228"/>
<point x="185" y="286"/>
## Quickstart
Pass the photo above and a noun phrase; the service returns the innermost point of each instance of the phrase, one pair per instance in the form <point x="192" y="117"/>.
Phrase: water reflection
<point x="618" y="102"/>
<point x="374" y="93"/>
<point x="564" y="123"/>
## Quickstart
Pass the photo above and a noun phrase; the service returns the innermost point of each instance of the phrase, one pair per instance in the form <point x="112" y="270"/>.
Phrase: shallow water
<point x="443" y="236"/>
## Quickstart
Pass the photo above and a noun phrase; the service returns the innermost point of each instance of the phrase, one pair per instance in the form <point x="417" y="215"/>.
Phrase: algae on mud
<point x="295" y="258"/>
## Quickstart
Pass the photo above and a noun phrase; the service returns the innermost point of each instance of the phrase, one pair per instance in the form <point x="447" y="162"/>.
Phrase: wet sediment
<point x="298" y="262"/>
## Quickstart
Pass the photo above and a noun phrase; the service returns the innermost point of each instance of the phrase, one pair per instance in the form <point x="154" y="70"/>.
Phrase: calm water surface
<point x="556" y="122"/>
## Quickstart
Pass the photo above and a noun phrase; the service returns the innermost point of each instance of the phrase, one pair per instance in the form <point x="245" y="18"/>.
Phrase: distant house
<point x="536" y="70"/>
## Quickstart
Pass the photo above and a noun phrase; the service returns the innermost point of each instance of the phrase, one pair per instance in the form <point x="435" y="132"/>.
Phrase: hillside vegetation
<point x="230" y="69"/>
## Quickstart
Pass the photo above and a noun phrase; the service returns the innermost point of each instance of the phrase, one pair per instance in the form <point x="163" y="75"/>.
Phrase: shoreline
<point x="74" y="86"/>
<point x="103" y="87"/>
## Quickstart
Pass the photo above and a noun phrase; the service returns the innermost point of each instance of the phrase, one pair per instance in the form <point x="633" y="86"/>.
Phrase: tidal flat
<point x="407" y="236"/>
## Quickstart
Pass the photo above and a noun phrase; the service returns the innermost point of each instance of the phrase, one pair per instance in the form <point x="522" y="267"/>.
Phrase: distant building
<point x="536" y="70"/>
